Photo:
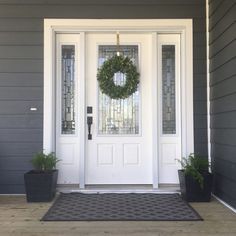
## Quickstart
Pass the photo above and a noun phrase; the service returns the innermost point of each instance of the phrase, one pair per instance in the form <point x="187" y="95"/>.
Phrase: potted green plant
<point x="195" y="179"/>
<point x="40" y="183"/>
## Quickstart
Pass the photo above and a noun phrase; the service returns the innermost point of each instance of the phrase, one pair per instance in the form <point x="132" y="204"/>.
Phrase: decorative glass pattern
<point x="121" y="116"/>
<point x="168" y="90"/>
<point x="68" y="89"/>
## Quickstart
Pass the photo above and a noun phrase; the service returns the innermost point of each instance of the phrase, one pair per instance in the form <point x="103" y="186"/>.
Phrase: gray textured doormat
<point x="120" y="207"/>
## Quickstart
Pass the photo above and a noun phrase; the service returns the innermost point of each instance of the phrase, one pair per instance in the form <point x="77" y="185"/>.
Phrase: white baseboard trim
<point x="224" y="203"/>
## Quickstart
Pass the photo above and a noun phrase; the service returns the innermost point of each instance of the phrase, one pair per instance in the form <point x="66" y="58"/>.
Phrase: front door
<point x="135" y="140"/>
<point x="120" y="151"/>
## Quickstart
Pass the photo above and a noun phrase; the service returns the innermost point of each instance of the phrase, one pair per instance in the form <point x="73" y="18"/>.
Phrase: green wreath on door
<point x="106" y="73"/>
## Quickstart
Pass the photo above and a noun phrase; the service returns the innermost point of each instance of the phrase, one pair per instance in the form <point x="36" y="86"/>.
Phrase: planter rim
<point x="35" y="172"/>
<point x="208" y="173"/>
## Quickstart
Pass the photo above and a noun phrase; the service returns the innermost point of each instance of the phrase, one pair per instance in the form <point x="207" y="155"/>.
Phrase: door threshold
<point x="166" y="188"/>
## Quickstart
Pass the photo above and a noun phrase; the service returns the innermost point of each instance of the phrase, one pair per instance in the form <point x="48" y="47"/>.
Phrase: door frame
<point x="184" y="27"/>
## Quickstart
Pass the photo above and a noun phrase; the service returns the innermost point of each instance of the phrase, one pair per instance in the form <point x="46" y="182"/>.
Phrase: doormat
<point x="120" y="207"/>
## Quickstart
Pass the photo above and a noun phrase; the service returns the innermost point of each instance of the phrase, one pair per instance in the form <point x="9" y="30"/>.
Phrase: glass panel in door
<point x="68" y="89"/>
<point x="118" y="116"/>
<point x="168" y="90"/>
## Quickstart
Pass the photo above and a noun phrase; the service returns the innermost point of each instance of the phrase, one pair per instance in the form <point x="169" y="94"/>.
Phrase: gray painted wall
<point x="223" y="97"/>
<point x="21" y="69"/>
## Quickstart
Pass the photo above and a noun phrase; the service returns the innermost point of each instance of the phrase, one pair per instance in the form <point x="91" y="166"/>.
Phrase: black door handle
<point x="89" y="123"/>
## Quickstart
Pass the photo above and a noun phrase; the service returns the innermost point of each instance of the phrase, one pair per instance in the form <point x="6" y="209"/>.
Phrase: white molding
<point x="49" y="90"/>
<point x="155" y="117"/>
<point x="208" y="85"/>
<point x="188" y="68"/>
<point x="82" y="119"/>
<point x="124" y="25"/>
<point x="224" y="203"/>
<point x="187" y="90"/>
<point x="181" y="26"/>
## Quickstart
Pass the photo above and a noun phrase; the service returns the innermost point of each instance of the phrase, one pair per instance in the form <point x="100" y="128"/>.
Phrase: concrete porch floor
<point x="20" y="218"/>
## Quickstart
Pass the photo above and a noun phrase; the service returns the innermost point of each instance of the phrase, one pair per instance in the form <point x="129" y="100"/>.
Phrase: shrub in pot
<point x="40" y="183"/>
<point x="195" y="179"/>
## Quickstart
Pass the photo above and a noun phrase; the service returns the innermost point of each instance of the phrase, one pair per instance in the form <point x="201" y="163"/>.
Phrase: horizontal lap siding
<point x="21" y="69"/>
<point x="222" y="48"/>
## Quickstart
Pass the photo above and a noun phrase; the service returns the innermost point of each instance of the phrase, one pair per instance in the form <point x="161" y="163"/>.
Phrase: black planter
<point x="191" y="190"/>
<point x="40" y="186"/>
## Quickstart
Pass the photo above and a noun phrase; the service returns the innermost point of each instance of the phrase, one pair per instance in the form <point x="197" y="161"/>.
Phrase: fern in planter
<point x="44" y="162"/>
<point x="41" y="182"/>
<point x="195" y="179"/>
<point x="195" y="166"/>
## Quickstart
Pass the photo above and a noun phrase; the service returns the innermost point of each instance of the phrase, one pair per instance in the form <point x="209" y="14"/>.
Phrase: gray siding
<point x="222" y="29"/>
<point x="21" y="69"/>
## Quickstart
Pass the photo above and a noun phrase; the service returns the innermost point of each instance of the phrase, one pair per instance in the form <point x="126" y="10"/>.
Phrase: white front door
<point x="120" y="151"/>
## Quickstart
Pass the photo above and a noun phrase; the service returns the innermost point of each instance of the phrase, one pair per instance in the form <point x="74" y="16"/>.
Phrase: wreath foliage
<point x="106" y="73"/>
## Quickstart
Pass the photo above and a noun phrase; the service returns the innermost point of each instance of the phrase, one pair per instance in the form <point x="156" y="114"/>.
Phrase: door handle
<point x="89" y="123"/>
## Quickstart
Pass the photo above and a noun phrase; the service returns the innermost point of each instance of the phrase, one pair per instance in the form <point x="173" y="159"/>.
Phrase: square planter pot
<point x="40" y="186"/>
<point x="190" y="189"/>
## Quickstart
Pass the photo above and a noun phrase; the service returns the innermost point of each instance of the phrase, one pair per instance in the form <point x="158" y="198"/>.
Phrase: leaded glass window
<point x="68" y="89"/>
<point x="118" y="116"/>
<point x="168" y="90"/>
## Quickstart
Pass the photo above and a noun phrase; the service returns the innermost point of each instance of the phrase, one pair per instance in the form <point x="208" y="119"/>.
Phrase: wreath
<point x="106" y="73"/>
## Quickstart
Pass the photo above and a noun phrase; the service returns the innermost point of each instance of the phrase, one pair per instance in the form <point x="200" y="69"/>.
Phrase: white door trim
<point x="155" y="120"/>
<point x="181" y="26"/>
<point x="82" y="118"/>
